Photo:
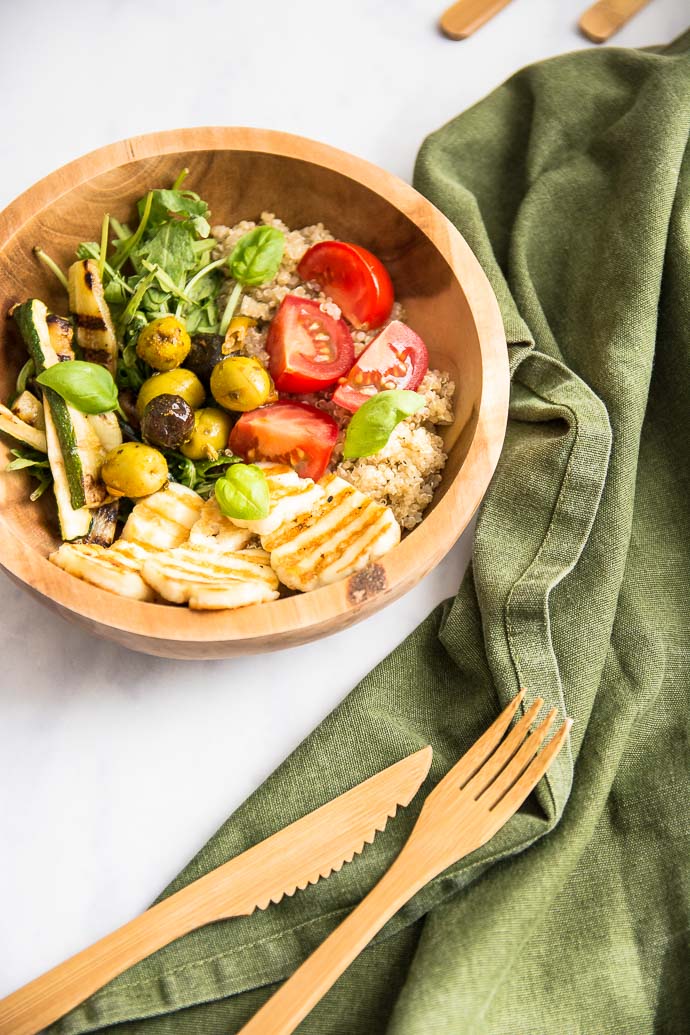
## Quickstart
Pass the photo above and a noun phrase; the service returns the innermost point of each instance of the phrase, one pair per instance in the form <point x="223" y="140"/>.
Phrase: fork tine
<point x="518" y="762"/>
<point x="516" y="795"/>
<point x="503" y="753"/>
<point x="470" y="762"/>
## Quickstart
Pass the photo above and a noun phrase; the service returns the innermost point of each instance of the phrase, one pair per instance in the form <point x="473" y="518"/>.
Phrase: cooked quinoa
<point x="405" y="473"/>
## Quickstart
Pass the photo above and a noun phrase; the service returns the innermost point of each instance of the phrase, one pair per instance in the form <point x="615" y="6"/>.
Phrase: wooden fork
<point x="474" y="800"/>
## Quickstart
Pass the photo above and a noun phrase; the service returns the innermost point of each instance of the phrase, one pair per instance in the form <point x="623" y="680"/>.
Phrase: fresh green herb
<point x="104" y="244"/>
<point x="86" y="386"/>
<point x="135" y="301"/>
<point x="177" y="202"/>
<point x="121" y="229"/>
<point x="200" y="475"/>
<point x="171" y="249"/>
<point x="372" y="424"/>
<point x="256" y="257"/>
<point x="126" y="245"/>
<point x="27" y="371"/>
<point x="254" y="260"/>
<point x="52" y="266"/>
<point x="36" y="464"/>
<point x="166" y="282"/>
<point x="91" y="250"/>
<point x="161" y="267"/>
<point x="180" y="178"/>
<point x="243" y="493"/>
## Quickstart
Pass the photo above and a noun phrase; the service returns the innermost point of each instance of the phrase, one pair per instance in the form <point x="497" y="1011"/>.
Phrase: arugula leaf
<point x="200" y="475"/>
<point x="36" y="464"/>
<point x="372" y="424"/>
<point x="180" y="203"/>
<point x="171" y="249"/>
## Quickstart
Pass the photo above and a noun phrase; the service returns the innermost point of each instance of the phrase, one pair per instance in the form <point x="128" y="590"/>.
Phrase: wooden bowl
<point x="242" y="172"/>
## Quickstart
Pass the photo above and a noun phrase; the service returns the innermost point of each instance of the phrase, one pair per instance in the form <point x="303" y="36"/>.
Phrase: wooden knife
<point x="299" y="854"/>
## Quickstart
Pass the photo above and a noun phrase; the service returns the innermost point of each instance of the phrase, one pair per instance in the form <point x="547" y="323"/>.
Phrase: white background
<point x="116" y="767"/>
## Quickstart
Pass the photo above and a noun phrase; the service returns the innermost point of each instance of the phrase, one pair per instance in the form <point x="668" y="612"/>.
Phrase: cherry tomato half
<point x="291" y="433"/>
<point x="354" y="278"/>
<point x="396" y="358"/>
<point x="307" y="349"/>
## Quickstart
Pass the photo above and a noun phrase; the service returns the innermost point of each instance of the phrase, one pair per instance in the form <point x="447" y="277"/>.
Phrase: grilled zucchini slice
<point x="89" y="310"/>
<point x="27" y="407"/>
<point x="21" y="431"/>
<point x="61" y="335"/>
<point x="80" y="450"/>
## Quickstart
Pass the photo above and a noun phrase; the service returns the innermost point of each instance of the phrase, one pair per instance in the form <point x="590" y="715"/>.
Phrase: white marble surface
<point x="116" y="767"/>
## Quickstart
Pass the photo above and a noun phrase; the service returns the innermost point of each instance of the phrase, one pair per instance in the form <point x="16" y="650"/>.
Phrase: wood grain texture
<point x="606" y="17"/>
<point x="472" y="802"/>
<point x="463" y="18"/>
<point x="299" y="855"/>
<point x="242" y="172"/>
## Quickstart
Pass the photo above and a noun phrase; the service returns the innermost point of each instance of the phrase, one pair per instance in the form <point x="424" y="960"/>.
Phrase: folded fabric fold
<point x="572" y="185"/>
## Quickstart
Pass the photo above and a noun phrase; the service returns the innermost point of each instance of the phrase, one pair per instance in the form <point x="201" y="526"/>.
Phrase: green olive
<point x="172" y="382"/>
<point x="211" y="431"/>
<point x="134" y="470"/>
<point x="167" y="421"/>
<point x="241" y="383"/>
<point x="164" y="343"/>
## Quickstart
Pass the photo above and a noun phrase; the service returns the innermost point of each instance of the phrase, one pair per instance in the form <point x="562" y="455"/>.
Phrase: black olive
<point x="167" y="421"/>
<point x="128" y="403"/>
<point x="205" y="352"/>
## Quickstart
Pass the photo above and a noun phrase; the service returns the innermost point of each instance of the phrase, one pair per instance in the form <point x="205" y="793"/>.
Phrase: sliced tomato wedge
<point x="354" y="278"/>
<point x="396" y="358"/>
<point x="291" y="433"/>
<point x="307" y="349"/>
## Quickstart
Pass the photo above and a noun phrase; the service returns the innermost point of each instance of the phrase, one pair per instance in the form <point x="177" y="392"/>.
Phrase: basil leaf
<point x="256" y="257"/>
<point x="86" y="386"/>
<point x="243" y="493"/>
<point x="372" y="424"/>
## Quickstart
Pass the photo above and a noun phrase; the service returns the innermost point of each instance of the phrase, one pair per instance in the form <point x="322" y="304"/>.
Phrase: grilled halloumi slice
<point x="290" y="495"/>
<point x="210" y="581"/>
<point x="344" y="532"/>
<point x="164" y="519"/>
<point x="215" y="532"/>
<point x="115" y="568"/>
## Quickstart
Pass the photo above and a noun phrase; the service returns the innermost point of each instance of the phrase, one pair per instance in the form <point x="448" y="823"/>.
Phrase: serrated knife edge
<point x="295" y="856"/>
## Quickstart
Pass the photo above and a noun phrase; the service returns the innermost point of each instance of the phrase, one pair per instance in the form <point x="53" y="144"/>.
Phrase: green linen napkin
<point x="572" y="184"/>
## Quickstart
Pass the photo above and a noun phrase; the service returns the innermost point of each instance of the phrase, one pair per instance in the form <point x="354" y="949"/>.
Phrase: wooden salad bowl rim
<point x="179" y="632"/>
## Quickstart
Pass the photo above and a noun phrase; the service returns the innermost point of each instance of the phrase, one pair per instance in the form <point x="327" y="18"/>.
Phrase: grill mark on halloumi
<point x="216" y="532"/>
<point x="290" y="497"/>
<point x="226" y="580"/>
<point x="115" y="568"/>
<point x="289" y="530"/>
<point x="374" y="543"/>
<point x="334" y="520"/>
<point x="164" y="519"/>
<point x="345" y="533"/>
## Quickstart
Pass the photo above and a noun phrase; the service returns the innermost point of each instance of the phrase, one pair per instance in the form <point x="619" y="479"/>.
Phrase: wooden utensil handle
<point x="48" y="997"/>
<point x="466" y="16"/>
<point x="604" y="18"/>
<point x="310" y="982"/>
